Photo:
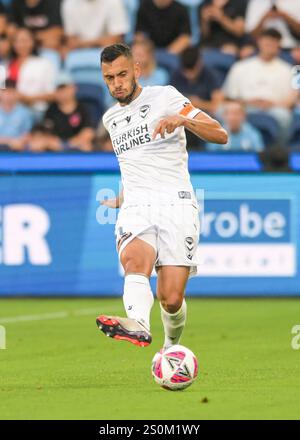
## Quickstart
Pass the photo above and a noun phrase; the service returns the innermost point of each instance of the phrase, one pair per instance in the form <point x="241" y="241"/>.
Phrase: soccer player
<point x="158" y="223"/>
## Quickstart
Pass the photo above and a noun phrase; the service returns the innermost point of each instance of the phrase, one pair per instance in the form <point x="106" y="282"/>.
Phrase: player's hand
<point x="111" y="203"/>
<point x="168" y="125"/>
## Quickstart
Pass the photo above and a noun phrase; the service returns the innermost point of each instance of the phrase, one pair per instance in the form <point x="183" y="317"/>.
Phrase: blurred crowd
<point x="238" y="60"/>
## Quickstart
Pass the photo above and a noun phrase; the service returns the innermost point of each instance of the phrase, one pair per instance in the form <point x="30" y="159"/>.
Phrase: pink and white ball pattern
<point x="175" y="368"/>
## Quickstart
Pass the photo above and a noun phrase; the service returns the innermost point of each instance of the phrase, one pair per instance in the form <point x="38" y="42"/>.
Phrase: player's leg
<point x="137" y="258"/>
<point x="177" y="243"/>
<point x="171" y="283"/>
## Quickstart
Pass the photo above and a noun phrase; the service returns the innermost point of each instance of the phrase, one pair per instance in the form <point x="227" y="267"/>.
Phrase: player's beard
<point x="127" y="99"/>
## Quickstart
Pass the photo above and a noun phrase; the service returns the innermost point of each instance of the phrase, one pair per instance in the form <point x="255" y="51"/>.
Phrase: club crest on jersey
<point x="144" y="110"/>
<point x="184" y="195"/>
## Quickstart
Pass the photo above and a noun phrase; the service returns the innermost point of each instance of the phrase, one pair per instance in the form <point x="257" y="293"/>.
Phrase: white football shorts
<point x="172" y="230"/>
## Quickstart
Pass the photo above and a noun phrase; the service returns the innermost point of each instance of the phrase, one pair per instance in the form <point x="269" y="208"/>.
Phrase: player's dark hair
<point x="271" y="33"/>
<point x="189" y="57"/>
<point x="111" y="53"/>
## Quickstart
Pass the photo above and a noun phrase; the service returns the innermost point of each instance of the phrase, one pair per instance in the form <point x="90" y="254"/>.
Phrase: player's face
<point x="121" y="77"/>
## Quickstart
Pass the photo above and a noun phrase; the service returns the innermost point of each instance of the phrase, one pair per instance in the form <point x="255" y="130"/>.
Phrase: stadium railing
<point x="107" y="162"/>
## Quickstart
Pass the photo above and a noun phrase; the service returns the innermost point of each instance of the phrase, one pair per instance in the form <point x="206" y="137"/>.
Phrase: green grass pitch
<point x="58" y="365"/>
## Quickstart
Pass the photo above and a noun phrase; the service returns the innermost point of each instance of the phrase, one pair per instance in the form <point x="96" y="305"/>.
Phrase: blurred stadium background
<point x="239" y="60"/>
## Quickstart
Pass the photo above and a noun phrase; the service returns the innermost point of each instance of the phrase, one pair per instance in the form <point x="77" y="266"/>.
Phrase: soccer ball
<point x="175" y="368"/>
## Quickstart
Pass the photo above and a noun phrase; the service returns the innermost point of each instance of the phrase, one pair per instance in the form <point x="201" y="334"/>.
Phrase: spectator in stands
<point x="297" y="107"/>
<point x="3" y="20"/>
<point x="5" y="50"/>
<point x="223" y="26"/>
<point x="151" y="74"/>
<point x="264" y="82"/>
<point x="35" y="76"/>
<point x="67" y="124"/>
<point x="296" y="55"/>
<point x="166" y="23"/>
<point x="16" y="120"/>
<point x="94" y="23"/>
<point x="276" y="160"/>
<point x="242" y="135"/>
<point x="4" y="39"/>
<point x="198" y="82"/>
<point x="282" y="15"/>
<point x="104" y="143"/>
<point x="42" y="17"/>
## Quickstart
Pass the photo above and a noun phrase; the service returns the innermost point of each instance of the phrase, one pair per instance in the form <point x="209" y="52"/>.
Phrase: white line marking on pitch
<point x="54" y="315"/>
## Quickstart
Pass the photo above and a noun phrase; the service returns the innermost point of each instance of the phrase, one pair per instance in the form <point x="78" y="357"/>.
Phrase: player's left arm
<point x="202" y="125"/>
<point x="114" y="203"/>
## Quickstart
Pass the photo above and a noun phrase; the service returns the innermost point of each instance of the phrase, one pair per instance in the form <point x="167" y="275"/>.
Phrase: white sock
<point x="173" y="324"/>
<point x="138" y="298"/>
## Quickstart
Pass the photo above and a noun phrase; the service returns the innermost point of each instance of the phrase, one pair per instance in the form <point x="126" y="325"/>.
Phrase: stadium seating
<point x="266" y="124"/>
<point x="6" y="2"/>
<point x="131" y="8"/>
<point x="193" y="6"/>
<point x="84" y="66"/>
<point x="4" y="148"/>
<point x="219" y="61"/>
<point x="295" y="132"/>
<point x="53" y="56"/>
<point x="92" y="97"/>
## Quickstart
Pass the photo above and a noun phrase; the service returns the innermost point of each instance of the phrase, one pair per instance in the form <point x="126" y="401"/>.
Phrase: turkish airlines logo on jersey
<point x="144" y="110"/>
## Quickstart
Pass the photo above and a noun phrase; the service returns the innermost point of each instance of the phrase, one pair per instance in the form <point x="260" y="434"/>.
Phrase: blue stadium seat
<point x="131" y="8"/>
<point x="92" y="97"/>
<point x="266" y="124"/>
<point x="218" y="60"/>
<point x="5" y="148"/>
<point x="295" y="131"/>
<point x="53" y="56"/>
<point x="287" y="56"/>
<point x="193" y="6"/>
<point x="84" y="66"/>
<point x="6" y="3"/>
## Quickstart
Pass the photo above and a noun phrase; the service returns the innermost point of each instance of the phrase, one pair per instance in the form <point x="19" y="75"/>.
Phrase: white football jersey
<point x="153" y="171"/>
